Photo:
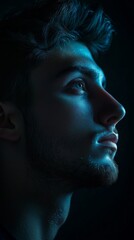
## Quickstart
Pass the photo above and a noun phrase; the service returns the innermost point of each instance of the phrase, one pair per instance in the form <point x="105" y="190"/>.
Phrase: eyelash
<point x="81" y="81"/>
<point x="75" y="82"/>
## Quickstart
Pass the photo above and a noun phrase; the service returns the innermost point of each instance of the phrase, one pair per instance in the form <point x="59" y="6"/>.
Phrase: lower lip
<point x="109" y="144"/>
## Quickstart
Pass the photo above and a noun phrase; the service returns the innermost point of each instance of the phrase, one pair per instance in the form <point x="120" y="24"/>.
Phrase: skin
<point x="54" y="149"/>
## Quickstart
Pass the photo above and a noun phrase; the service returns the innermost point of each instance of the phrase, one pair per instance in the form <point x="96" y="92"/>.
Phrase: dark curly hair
<point x="26" y="36"/>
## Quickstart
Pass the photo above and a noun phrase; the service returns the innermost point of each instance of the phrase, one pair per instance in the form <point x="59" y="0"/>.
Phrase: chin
<point x="102" y="173"/>
<point x="108" y="175"/>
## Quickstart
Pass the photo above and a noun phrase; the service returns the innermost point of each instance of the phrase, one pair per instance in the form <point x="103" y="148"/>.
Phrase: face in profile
<point x="70" y="113"/>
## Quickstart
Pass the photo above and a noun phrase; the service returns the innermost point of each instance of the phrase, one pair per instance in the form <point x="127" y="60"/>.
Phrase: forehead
<point x="58" y="59"/>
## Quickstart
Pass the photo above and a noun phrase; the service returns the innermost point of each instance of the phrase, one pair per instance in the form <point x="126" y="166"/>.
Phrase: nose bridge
<point x="110" y="110"/>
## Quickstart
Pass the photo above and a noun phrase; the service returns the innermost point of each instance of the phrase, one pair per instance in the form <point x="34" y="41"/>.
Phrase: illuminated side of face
<point x="71" y="111"/>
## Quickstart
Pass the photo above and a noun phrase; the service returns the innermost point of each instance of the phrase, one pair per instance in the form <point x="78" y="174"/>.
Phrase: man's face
<point x="70" y="112"/>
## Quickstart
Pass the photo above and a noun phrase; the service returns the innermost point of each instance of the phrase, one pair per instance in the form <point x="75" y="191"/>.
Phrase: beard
<point x="54" y="158"/>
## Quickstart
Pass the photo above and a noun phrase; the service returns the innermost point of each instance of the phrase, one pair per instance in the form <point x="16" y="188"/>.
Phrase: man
<point x="57" y="121"/>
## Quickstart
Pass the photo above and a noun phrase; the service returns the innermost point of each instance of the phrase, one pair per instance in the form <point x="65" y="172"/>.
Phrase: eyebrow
<point x="90" y="72"/>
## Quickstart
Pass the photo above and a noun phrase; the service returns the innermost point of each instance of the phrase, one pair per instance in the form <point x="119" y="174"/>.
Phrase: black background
<point x="108" y="213"/>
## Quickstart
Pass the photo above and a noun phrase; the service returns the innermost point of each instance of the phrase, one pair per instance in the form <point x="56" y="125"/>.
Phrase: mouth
<point x="109" y="141"/>
<point x="108" y="144"/>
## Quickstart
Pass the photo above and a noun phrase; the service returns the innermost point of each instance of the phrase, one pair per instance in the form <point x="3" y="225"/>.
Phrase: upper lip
<point x="112" y="137"/>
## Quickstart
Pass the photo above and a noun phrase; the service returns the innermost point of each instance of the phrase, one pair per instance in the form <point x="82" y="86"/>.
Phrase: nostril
<point x="112" y="120"/>
<point x="113" y="115"/>
<point x="108" y="110"/>
<point x="120" y="113"/>
<point x="117" y="116"/>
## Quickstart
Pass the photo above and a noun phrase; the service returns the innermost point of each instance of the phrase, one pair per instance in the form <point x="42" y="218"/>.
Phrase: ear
<point x="10" y="122"/>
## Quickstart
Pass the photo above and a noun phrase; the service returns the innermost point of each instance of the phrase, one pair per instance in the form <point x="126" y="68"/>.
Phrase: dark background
<point x="108" y="213"/>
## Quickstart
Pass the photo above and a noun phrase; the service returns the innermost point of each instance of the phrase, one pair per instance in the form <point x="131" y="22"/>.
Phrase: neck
<point x="37" y="208"/>
<point x="39" y="217"/>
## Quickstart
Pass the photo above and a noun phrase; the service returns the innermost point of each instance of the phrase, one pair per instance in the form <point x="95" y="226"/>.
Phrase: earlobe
<point x="10" y="125"/>
<point x="9" y="134"/>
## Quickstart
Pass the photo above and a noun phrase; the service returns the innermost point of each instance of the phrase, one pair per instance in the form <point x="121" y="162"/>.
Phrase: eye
<point x="78" y="84"/>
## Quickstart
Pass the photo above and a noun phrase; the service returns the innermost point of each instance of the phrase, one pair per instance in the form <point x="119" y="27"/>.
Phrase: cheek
<point x="65" y="115"/>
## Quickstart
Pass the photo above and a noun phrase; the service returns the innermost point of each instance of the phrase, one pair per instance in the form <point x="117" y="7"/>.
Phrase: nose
<point x="110" y="110"/>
